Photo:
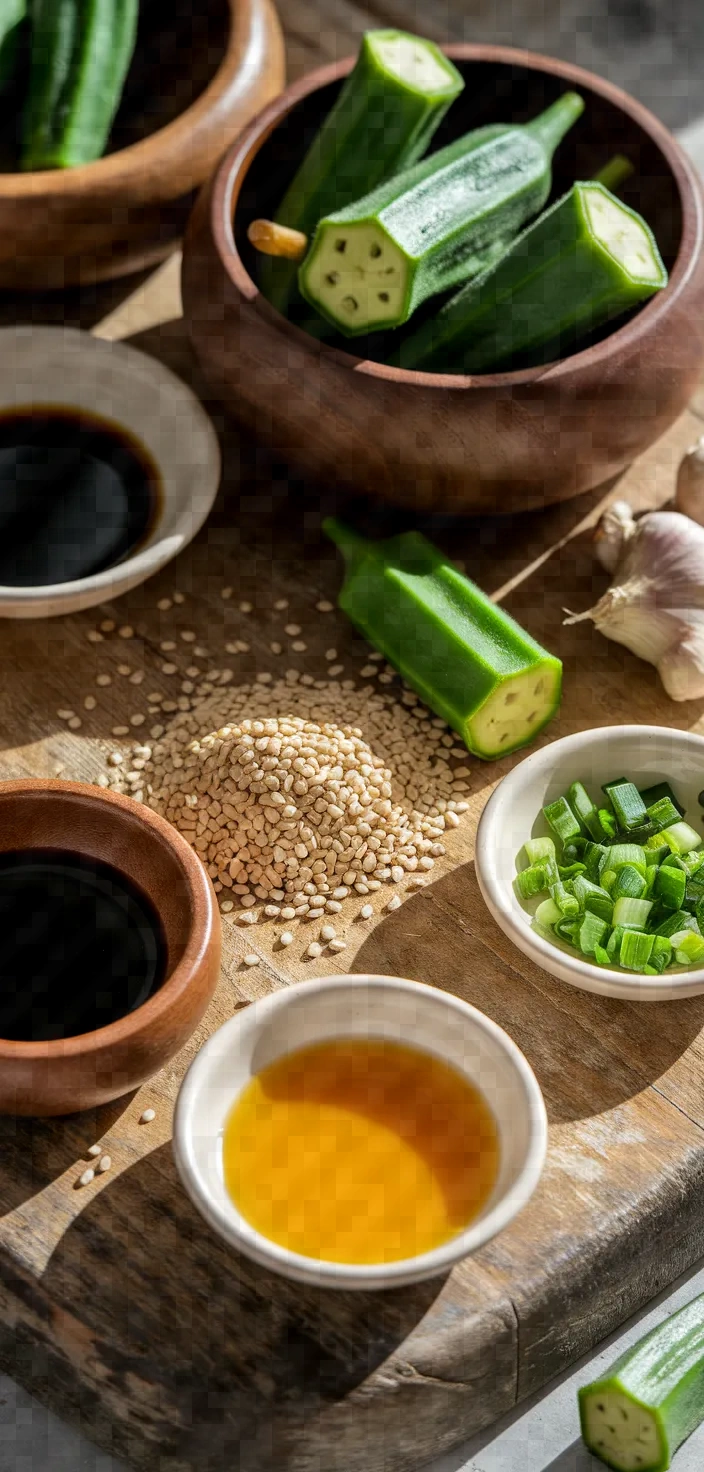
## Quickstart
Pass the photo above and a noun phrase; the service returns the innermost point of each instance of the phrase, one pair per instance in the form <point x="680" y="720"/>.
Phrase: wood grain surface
<point x="117" y="1305"/>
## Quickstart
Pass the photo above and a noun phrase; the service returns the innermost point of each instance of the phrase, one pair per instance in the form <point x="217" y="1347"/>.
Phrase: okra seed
<point x="375" y="250"/>
<point x="383" y="296"/>
<point x="332" y="278"/>
<point x="350" y="304"/>
<point x="341" y="246"/>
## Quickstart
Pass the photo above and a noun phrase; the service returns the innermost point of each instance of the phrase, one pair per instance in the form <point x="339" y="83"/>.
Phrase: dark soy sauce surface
<point x="77" y="495"/>
<point x="80" y="945"/>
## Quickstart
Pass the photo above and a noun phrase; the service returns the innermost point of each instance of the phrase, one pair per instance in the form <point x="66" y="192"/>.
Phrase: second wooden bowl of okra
<point x="499" y="442"/>
<point x="198" y="74"/>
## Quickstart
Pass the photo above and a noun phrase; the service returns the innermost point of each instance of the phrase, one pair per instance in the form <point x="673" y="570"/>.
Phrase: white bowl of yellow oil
<point x="359" y="1131"/>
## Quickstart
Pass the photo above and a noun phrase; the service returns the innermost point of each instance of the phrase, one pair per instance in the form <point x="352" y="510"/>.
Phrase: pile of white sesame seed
<point x="284" y="809"/>
<point x="292" y="808"/>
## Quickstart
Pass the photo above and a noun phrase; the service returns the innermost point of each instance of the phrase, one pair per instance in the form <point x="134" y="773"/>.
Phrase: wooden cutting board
<point x="117" y="1304"/>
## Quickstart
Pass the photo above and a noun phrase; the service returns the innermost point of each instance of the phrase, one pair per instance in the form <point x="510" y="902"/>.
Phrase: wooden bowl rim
<point x="174" y="137"/>
<point x="232" y="170"/>
<point x="203" y="932"/>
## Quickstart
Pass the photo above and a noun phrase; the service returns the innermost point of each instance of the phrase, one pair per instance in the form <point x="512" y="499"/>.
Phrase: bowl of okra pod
<point x="112" y="113"/>
<point x="590" y="857"/>
<point x="456" y="278"/>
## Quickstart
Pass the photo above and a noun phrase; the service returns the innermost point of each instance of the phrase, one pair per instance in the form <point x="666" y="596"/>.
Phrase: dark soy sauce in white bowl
<point x="78" y="494"/>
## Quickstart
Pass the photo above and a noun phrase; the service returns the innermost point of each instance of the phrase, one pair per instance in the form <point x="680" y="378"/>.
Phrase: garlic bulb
<point x="689" y="495"/>
<point x="655" y="605"/>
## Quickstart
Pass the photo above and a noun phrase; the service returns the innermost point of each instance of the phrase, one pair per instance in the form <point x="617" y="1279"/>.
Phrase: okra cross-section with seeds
<point x="441" y="222"/>
<point x="464" y="656"/>
<point x="382" y="121"/>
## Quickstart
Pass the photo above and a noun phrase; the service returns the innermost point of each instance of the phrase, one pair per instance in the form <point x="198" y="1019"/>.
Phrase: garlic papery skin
<point x="689" y="495"/>
<point x="655" y="605"/>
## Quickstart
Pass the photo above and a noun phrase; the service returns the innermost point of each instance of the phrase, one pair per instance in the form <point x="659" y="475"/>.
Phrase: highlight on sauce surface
<point x="360" y="1151"/>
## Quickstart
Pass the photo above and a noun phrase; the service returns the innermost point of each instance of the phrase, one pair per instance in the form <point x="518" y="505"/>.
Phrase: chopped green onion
<point x="661" y="954"/>
<point x="567" y="904"/>
<point x="536" y="849"/>
<point x="699" y="914"/>
<point x="602" y="957"/>
<point x="608" y="823"/>
<point x="594" y="855"/>
<point x="628" y="806"/>
<point x="681" y="838"/>
<point x="688" y="948"/>
<point x="591" y="932"/>
<point x="537" y="879"/>
<point x="656" y="793"/>
<point x="571" y="871"/>
<point x="630" y="882"/>
<point x="627" y="853"/>
<point x="632" y="914"/>
<point x="651" y="875"/>
<point x="562" y="820"/>
<point x="608" y="880"/>
<point x="573" y="850"/>
<point x="547" y="914"/>
<point x="679" y="921"/>
<point x="585" y="810"/>
<point x="615" y="782"/>
<point x="568" y="930"/>
<point x="663" y="814"/>
<point x="613" y="945"/>
<point x="670" y="886"/>
<point x="656" y="850"/>
<point x="635" y="950"/>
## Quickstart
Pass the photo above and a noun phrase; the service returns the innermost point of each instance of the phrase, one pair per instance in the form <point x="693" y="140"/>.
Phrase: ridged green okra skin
<point x="80" y="55"/>
<point x="635" y="1417"/>
<point x="12" y="16"/>
<point x="588" y="259"/>
<point x="465" y="657"/>
<point x="383" y="121"/>
<point x="443" y="221"/>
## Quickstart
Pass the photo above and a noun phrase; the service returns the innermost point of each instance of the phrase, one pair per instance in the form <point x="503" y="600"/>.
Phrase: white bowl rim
<point x="590" y="977"/>
<point x="350" y="1275"/>
<point x="155" y="553"/>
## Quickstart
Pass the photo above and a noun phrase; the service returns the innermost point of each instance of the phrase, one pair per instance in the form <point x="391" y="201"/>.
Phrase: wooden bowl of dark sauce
<point x="109" y="945"/>
<point x="439" y="442"/>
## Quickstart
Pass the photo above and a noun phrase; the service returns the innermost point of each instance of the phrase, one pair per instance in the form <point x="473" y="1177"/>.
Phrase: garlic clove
<point x="689" y="494"/>
<point x="617" y="525"/>
<point x="682" y="669"/>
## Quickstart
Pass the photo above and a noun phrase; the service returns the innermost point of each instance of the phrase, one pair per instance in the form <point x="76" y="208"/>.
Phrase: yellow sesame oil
<point x="360" y="1151"/>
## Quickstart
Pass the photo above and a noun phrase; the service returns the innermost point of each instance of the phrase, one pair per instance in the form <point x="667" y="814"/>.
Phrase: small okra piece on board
<point x="466" y="658"/>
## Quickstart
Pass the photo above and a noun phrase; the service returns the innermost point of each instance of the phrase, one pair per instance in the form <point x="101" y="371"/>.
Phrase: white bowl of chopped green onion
<point x="590" y="857"/>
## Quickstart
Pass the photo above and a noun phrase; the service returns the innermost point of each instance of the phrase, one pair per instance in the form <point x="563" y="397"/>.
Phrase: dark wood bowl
<point x="77" y="1073"/>
<point x="199" y="74"/>
<point x="500" y="442"/>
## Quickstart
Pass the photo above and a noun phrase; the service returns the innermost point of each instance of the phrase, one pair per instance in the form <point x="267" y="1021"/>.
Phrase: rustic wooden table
<point x="117" y="1305"/>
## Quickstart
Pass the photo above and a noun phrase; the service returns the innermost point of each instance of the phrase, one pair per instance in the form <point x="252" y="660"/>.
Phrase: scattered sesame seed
<point x="156" y="731"/>
<point x="169" y="669"/>
<point x="65" y="715"/>
<point x="90" y="702"/>
<point x="275" y="648"/>
<point x="328" y="932"/>
<point x="227" y="905"/>
<point x="226" y="593"/>
<point x="285" y="938"/>
<point x="87" y="1177"/>
<point x="137" y="678"/>
<point x="251" y="959"/>
<point x="137" y="720"/>
<point x="292" y="630"/>
<point x="280" y="604"/>
<point x="104" y="1164"/>
<point x="452" y="819"/>
<point x="107" y="625"/>
<point x="314" y="950"/>
<point x="368" y="672"/>
<point x="245" y="607"/>
<point x="394" y="902"/>
<point x="94" y="636"/>
<point x="338" y="945"/>
<point x="298" y="646"/>
<point x="178" y="597"/>
<point x="164" y="605"/>
<point x="324" y="607"/>
<point x="147" y="1116"/>
<point x="200" y="652"/>
<point x="115" y="758"/>
<point x="103" y="680"/>
<point x="188" y="636"/>
<point x="167" y="645"/>
<point x="126" y="632"/>
<point x="331" y="654"/>
<point x="335" y="669"/>
<point x="75" y="723"/>
<point x="246" y="917"/>
<point x="94" y="1150"/>
<point x="366" y="912"/>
